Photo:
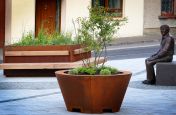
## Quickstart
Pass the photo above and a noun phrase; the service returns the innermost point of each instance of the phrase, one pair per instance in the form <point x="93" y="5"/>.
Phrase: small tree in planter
<point x="96" y="32"/>
<point x="95" y="88"/>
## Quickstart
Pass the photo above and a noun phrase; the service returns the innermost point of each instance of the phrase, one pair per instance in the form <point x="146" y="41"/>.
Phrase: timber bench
<point x="42" y="60"/>
<point x="166" y="73"/>
<point x="40" y="69"/>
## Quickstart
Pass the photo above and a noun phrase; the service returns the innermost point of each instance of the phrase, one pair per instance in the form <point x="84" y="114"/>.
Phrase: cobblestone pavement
<point x="42" y="96"/>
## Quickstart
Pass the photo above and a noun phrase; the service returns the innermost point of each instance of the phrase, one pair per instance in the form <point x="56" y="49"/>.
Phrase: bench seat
<point x="61" y="65"/>
<point x="40" y="69"/>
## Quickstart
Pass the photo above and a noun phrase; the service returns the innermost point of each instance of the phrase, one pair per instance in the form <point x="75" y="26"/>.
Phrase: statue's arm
<point x="164" y="51"/>
<point x="155" y="53"/>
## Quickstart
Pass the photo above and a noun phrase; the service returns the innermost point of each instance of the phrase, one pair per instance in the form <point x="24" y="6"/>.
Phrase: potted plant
<point x="94" y="88"/>
<point x="45" y="48"/>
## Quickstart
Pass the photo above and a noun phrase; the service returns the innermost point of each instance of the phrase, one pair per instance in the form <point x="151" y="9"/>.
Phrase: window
<point x="168" y="8"/>
<point x="114" y="6"/>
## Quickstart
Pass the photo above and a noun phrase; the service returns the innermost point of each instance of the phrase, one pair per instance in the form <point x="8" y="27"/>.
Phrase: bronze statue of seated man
<point x="164" y="54"/>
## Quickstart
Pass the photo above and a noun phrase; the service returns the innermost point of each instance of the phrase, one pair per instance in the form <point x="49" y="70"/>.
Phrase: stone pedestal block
<point x="166" y="74"/>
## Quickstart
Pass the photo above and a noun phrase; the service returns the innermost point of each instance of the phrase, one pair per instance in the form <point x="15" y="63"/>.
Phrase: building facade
<point x="155" y="15"/>
<point x="30" y="15"/>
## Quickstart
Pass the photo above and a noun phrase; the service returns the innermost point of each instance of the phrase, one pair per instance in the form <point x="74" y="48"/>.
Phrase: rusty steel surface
<point x="93" y="94"/>
<point x="2" y="23"/>
<point x="36" y="59"/>
<point x="42" y="48"/>
<point x="41" y="59"/>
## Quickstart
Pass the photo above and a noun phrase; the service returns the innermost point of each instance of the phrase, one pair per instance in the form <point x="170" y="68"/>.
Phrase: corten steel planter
<point x="41" y="54"/>
<point x="64" y="53"/>
<point x="93" y="94"/>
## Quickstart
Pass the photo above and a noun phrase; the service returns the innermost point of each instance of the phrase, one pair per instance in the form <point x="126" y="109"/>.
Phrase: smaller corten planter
<point x="44" y="54"/>
<point x="40" y="54"/>
<point x="93" y="94"/>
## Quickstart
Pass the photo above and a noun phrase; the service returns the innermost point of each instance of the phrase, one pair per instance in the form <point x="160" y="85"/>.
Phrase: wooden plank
<point x="46" y="65"/>
<point x="35" y="53"/>
<point x="37" y="65"/>
<point x="79" y="51"/>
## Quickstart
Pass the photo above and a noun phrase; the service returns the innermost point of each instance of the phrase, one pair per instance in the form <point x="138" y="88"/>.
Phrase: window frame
<point x="172" y="14"/>
<point x="113" y="10"/>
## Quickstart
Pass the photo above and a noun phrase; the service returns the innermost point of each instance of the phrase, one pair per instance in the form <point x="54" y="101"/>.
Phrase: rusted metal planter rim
<point x="39" y="47"/>
<point x="43" y="45"/>
<point x="63" y="72"/>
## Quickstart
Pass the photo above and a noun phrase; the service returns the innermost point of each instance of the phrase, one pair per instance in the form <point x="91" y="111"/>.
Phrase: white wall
<point x="71" y="10"/>
<point x="8" y="16"/>
<point x="63" y="15"/>
<point x="22" y="18"/>
<point x="152" y="10"/>
<point x="133" y="9"/>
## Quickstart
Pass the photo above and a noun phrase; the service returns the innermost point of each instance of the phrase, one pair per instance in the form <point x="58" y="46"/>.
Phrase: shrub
<point x="74" y="72"/>
<point x="83" y="70"/>
<point x="44" y="38"/>
<point x="111" y="69"/>
<point x="26" y="40"/>
<point x="105" y="72"/>
<point x="61" y="39"/>
<point x="114" y="70"/>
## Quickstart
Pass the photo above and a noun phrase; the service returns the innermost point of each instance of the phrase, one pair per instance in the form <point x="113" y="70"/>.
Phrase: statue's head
<point x="164" y="30"/>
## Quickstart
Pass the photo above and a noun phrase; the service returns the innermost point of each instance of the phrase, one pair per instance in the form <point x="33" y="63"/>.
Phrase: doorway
<point x="48" y="15"/>
<point x="2" y="23"/>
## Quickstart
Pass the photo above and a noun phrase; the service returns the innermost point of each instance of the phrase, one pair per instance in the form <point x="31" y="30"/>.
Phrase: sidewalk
<point x="42" y="96"/>
<point x="151" y="36"/>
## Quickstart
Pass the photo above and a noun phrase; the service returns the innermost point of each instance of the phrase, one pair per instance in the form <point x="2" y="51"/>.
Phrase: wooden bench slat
<point x="79" y="51"/>
<point x="41" y="53"/>
<point x="37" y="65"/>
<point x="35" y="53"/>
<point x="66" y="65"/>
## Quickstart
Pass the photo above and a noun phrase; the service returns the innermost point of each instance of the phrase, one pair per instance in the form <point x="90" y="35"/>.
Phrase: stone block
<point x="166" y="73"/>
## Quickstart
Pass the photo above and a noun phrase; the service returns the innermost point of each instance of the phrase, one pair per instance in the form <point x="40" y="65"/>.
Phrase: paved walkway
<point x="42" y="96"/>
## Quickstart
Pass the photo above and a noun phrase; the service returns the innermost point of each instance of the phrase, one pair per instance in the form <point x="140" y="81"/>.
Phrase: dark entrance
<point x="47" y="15"/>
<point x="2" y="23"/>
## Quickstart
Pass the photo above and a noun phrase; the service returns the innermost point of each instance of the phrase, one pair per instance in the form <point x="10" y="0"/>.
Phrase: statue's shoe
<point x="148" y="82"/>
